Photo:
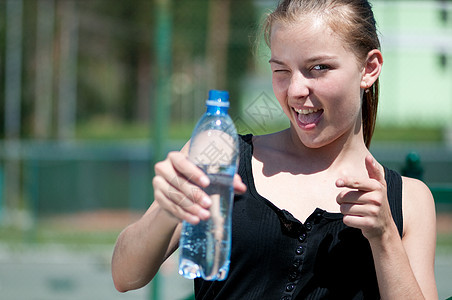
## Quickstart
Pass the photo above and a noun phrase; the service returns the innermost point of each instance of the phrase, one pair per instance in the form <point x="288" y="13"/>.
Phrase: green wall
<point x="416" y="89"/>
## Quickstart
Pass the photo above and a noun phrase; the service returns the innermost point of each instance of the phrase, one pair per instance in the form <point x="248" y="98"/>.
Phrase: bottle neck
<point x="216" y="110"/>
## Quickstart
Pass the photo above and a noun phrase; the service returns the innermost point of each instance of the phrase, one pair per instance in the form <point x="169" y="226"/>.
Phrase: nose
<point x="298" y="87"/>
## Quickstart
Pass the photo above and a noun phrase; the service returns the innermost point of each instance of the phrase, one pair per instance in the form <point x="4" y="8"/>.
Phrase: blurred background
<point x="93" y="92"/>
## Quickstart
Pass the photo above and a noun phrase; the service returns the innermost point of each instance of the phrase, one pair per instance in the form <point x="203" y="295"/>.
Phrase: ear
<point x="372" y="68"/>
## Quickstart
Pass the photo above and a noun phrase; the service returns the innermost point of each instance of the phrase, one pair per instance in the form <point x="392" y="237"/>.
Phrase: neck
<point x="347" y="149"/>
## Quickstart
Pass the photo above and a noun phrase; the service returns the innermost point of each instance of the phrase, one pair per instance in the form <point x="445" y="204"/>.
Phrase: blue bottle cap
<point x="218" y="98"/>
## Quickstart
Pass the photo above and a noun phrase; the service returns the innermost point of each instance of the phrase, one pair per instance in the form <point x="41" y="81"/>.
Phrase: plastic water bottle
<point x="205" y="247"/>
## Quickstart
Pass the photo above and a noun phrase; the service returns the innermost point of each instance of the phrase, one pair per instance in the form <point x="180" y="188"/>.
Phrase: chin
<point x="313" y="144"/>
<point x="316" y="142"/>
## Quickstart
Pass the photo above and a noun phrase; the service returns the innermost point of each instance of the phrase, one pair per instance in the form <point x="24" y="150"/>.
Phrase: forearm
<point x="141" y="248"/>
<point x="395" y="277"/>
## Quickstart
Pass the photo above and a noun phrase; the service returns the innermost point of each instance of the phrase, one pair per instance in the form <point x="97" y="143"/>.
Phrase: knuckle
<point x="159" y="167"/>
<point x="374" y="211"/>
<point x="355" y="184"/>
<point x="156" y="181"/>
<point x="174" y="155"/>
<point x="171" y="154"/>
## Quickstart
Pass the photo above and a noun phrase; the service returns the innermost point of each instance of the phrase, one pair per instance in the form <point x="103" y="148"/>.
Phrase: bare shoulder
<point x="418" y="204"/>
<point x="416" y="189"/>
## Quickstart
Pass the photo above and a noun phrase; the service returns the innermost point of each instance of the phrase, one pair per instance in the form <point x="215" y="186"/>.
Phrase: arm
<point x="143" y="246"/>
<point x="404" y="267"/>
<point x="419" y="238"/>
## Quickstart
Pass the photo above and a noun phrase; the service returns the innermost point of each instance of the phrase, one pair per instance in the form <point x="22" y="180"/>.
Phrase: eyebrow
<point x="276" y="61"/>
<point x="309" y="60"/>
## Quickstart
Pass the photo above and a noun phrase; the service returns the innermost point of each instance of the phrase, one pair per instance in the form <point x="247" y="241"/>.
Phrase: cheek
<point x="279" y="89"/>
<point x="279" y="84"/>
<point x="344" y="97"/>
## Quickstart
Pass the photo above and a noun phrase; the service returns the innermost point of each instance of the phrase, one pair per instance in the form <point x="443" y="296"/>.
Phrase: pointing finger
<point x="374" y="169"/>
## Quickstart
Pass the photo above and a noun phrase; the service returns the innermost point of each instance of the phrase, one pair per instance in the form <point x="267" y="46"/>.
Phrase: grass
<point x="42" y="235"/>
<point x="408" y="134"/>
<point x="108" y="129"/>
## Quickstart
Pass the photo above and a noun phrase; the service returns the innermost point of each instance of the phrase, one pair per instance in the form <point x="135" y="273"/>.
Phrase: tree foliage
<point x="115" y="57"/>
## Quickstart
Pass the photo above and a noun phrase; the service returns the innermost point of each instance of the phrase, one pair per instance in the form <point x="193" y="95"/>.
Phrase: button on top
<point x="299" y="250"/>
<point x="308" y="225"/>
<point x="286" y="298"/>
<point x="302" y="237"/>
<point x="290" y="287"/>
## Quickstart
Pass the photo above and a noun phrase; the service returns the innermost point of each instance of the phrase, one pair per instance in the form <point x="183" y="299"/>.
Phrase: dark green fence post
<point x="1" y="193"/>
<point x="162" y="64"/>
<point x="162" y="95"/>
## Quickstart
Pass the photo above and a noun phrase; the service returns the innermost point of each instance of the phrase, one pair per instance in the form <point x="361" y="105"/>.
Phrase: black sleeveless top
<point x="275" y="256"/>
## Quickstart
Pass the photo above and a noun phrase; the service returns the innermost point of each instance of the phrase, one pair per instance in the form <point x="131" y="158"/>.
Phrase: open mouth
<point x="309" y="116"/>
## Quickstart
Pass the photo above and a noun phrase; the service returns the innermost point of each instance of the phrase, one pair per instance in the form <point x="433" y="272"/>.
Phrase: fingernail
<point x="340" y="182"/>
<point x="206" y="202"/>
<point x="204" y="181"/>
<point x="193" y="220"/>
<point x="204" y="214"/>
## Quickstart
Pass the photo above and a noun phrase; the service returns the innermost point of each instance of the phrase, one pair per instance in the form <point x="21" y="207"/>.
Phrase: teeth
<point x="306" y="111"/>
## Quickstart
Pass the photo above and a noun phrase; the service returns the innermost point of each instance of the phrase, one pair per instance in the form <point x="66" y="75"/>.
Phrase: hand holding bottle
<point x="178" y="185"/>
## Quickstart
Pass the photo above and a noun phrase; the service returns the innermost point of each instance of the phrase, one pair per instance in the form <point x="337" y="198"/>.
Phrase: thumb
<point x="239" y="186"/>
<point x="374" y="169"/>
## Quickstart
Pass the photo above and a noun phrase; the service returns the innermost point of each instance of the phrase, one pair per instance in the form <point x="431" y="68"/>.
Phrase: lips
<point x="308" y="117"/>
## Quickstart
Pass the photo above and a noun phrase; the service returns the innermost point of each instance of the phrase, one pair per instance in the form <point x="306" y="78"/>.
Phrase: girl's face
<point x="317" y="82"/>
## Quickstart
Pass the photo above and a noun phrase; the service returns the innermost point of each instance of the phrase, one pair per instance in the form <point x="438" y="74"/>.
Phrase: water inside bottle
<point x="206" y="246"/>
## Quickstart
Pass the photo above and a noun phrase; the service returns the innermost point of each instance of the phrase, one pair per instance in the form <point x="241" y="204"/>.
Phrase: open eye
<point x="320" y="67"/>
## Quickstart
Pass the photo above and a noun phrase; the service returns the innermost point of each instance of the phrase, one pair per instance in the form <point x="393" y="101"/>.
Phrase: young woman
<point x="315" y="215"/>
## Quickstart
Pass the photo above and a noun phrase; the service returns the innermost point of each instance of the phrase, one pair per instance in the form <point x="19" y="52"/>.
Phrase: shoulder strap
<point x="246" y="151"/>
<point x="245" y="138"/>
<point x="394" y="192"/>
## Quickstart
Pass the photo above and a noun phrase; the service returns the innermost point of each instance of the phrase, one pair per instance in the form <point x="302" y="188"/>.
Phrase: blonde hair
<point x="354" y="22"/>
